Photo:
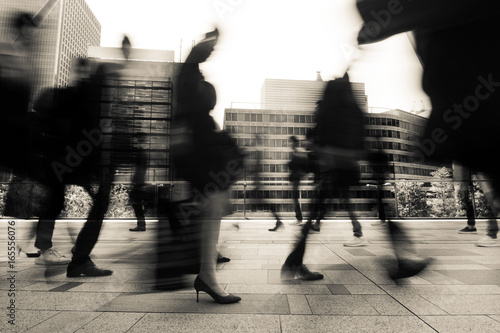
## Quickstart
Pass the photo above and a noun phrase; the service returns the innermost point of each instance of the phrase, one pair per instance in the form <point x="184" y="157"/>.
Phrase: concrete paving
<point x="459" y="292"/>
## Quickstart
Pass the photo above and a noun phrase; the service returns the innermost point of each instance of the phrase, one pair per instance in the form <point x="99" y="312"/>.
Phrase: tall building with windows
<point x="68" y="30"/>
<point x="301" y="94"/>
<point x="396" y="132"/>
<point x="136" y="104"/>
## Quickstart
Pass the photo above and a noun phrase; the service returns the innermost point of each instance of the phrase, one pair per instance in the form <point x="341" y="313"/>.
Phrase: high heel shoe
<point x="199" y="285"/>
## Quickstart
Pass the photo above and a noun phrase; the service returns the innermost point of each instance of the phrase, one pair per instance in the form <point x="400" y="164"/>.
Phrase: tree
<point x="441" y="194"/>
<point x="412" y="201"/>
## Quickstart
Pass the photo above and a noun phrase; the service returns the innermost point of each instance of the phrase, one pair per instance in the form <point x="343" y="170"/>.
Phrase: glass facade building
<point x="396" y="132"/>
<point x="66" y="33"/>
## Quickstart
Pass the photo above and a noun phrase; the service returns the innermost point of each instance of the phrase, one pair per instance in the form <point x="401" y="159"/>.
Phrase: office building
<point x="137" y="105"/>
<point x="302" y="94"/>
<point x="68" y="30"/>
<point x="396" y="132"/>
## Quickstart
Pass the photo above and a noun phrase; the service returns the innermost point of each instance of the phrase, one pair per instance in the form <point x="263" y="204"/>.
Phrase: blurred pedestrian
<point x="453" y="34"/>
<point x="406" y="266"/>
<point x="206" y="157"/>
<point x="464" y="194"/>
<point x="338" y="140"/>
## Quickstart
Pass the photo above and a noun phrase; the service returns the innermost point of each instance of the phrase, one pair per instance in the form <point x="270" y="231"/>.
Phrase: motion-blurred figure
<point x="338" y="139"/>
<point x="15" y="91"/>
<point x="28" y="157"/>
<point x="206" y="157"/>
<point x="406" y="266"/>
<point x="138" y="192"/>
<point x="299" y="166"/>
<point x="451" y="34"/>
<point x="464" y="194"/>
<point x="256" y="192"/>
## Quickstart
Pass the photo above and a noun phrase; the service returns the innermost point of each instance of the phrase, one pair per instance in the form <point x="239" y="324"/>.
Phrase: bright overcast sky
<point x="281" y="39"/>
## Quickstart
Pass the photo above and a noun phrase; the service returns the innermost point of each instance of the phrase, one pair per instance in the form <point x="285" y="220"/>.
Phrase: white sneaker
<point x="356" y="241"/>
<point x="486" y="241"/>
<point x="52" y="257"/>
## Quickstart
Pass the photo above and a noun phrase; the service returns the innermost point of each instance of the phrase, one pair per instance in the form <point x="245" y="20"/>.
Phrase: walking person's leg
<point x="87" y="238"/>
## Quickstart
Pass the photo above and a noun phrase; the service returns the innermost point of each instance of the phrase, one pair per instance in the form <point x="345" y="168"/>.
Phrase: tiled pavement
<point x="459" y="292"/>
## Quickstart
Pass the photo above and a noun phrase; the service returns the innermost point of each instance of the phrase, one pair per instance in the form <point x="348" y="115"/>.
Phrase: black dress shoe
<point x="408" y="268"/>
<point x="278" y="225"/>
<point x="86" y="269"/>
<point x="138" y="229"/>
<point x="223" y="259"/>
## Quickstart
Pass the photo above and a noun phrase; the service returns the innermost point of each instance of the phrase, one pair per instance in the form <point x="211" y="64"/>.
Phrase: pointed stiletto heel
<point x="200" y="285"/>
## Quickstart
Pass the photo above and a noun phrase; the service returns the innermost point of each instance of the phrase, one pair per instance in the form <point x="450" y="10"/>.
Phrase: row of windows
<point x="129" y="84"/>
<point x="380" y="133"/>
<point x="309" y="119"/>
<point x="154" y="142"/>
<point x="284" y="208"/>
<point x="266" y="130"/>
<point x="390" y="145"/>
<point x="153" y="174"/>
<point x="249" y="142"/>
<point x="364" y="169"/>
<point x="278" y="130"/>
<point x="139" y="96"/>
<point x="393" y="122"/>
<point x="391" y="169"/>
<point x="304" y="194"/>
<point x="266" y="118"/>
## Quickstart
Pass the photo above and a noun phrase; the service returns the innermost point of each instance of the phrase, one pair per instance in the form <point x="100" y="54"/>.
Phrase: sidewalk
<point x="459" y="292"/>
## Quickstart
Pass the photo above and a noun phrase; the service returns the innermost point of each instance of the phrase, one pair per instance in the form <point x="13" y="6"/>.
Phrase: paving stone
<point x="299" y="305"/>
<point x="284" y="289"/>
<point x="364" y="289"/>
<point x="188" y="323"/>
<point x="64" y="322"/>
<point x="353" y="324"/>
<point x="115" y="322"/>
<point x="186" y="303"/>
<point x="466" y="304"/>
<point x="462" y="324"/>
<point x="46" y="300"/>
<point x="387" y="305"/>
<point x="360" y="252"/>
<point x="338" y="289"/>
<point x="25" y="320"/>
<point x="354" y="305"/>
<point x="419" y="305"/>
<point x="474" y="277"/>
<point x="347" y="277"/>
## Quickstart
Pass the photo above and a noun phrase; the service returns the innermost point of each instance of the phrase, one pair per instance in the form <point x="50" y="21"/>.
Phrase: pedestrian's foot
<point x="138" y="228"/>
<point x="289" y="273"/>
<point x="356" y="241"/>
<point x="223" y="259"/>
<point x="315" y="227"/>
<point x="86" y="269"/>
<point x="52" y="257"/>
<point x="304" y="273"/>
<point x="468" y="230"/>
<point x="278" y="225"/>
<point x="487" y="241"/>
<point x="408" y="268"/>
<point x="380" y="224"/>
<point x="30" y="252"/>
